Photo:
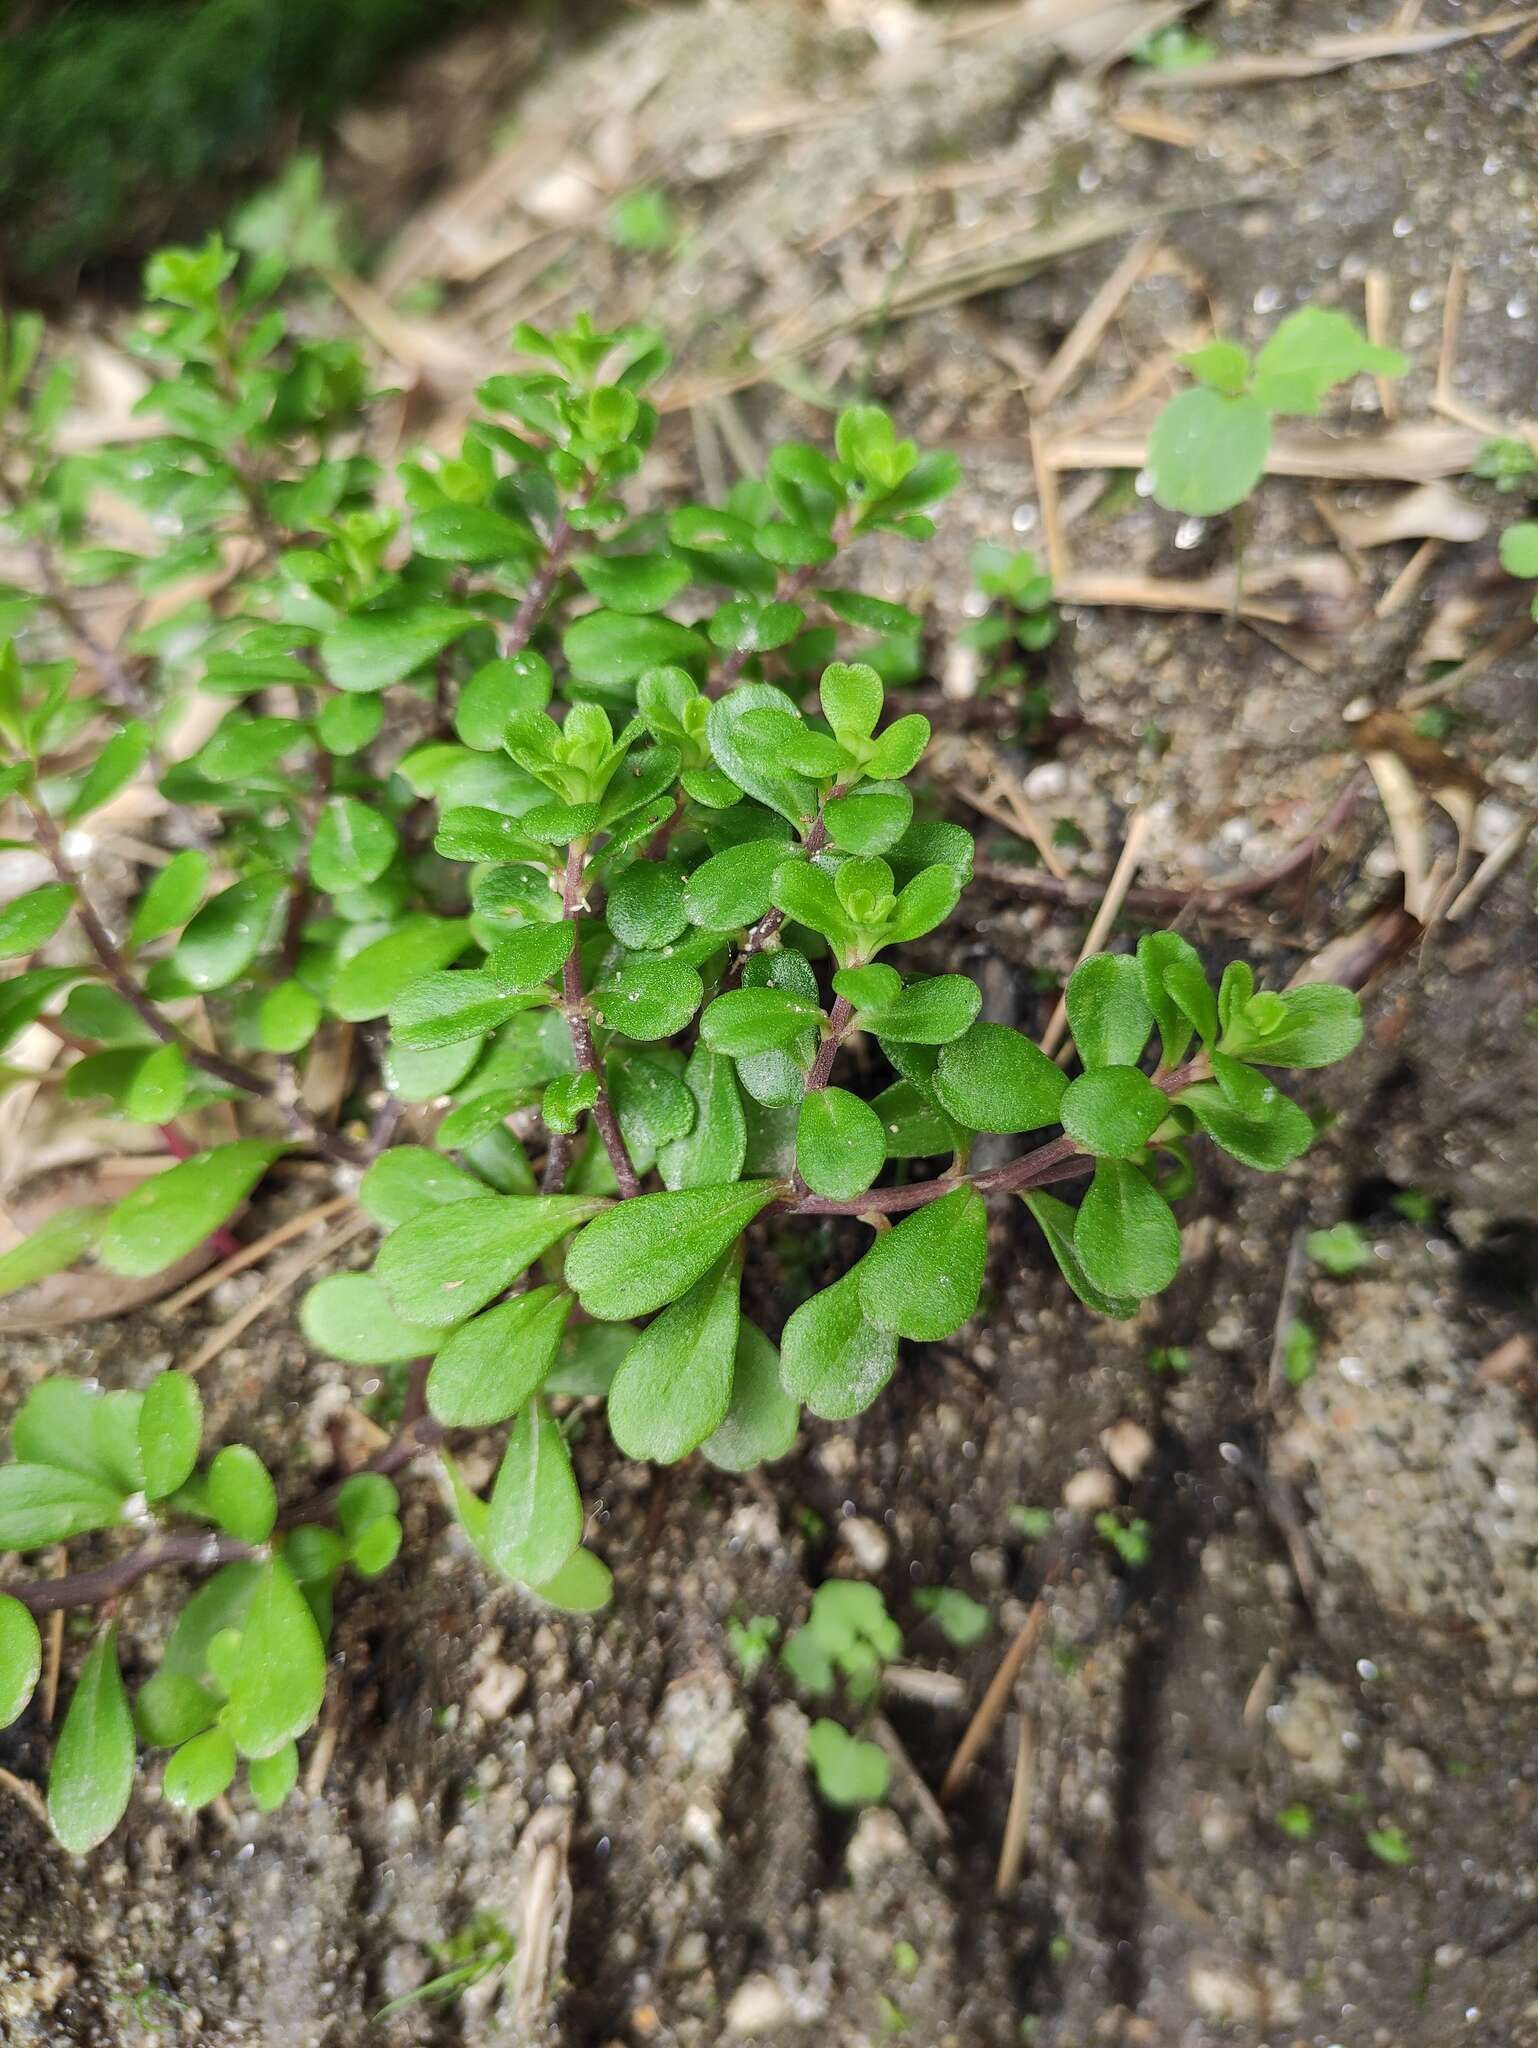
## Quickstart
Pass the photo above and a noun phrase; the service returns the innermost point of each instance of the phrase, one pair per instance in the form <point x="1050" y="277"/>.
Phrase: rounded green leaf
<point x="536" y="954"/>
<point x="1108" y="1011"/>
<point x="279" y="1679"/>
<point x="850" y="1772"/>
<point x="583" y="1585"/>
<point x="171" y="1708"/>
<point x="21" y="1658"/>
<point x="840" y="1145"/>
<point x="1113" y="1111"/>
<point x="171" y="1215"/>
<point x="712" y="1151"/>
<point x="649" y="999"/>
<point x="646" y="905"/>
<point x="929" y="1012"/>
<point x="1126" y="1235"/>
<point x="1519" y="549"/>
<point x="994" y="1079"/>
<point x="352" y="845"/>
<point x="42" y="1504"/>
<point x="646" y="1252"/>
<point x="93" y="1761"/>
<point x="1207" y="452"/>
<point x="751" y="1020"/>
<point x="348" y="1316"/>
<point x="833" y="1358"/>
<point x="366" y="985"/>
<point x="65" y="1237"/>
<point x="346" y="725"/>
<point x="272" y="1778"/>
<point x="761" y="1419"/>
<point x="1269" y="1133"/>
<point x="675" y="1383"/>
<point x="1057" y="1220"/>
<point x="495" y="692"/>
<point x="456" y="1003"/>
<point x="534" y="1522"/>
<point x="441" y="1267"/>
<point x="230" y="931"/>
<point x="201" y="1770"/>
<point x="171" y="897"/>
<point x="170" y="1432"/>
<point x="492" y="1364"/>
<point x="733" y="888"/>
<point x="409" y="1180"/>
<point x="30" y="921"/>
<point x="288" y="1018"/>
<point x="922" y="1280"/>
<point x="241" y="1496"/>
<point x="374" y="649"/>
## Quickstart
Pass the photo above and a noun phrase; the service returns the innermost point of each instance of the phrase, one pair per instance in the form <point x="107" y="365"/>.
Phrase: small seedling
<point x="962" y="1620"/>
<point x="1174" y="1359"/>
<point x="848" y="1635"/>
<point x="906" y="1960"/>
<point x="644" y="221"/>
<point x="1341" y="1250"/>
<point x="1296" y="1822"/>
<point x="1519" y="553"/>
<point x="1415" y="1205"/>
<point x="1130" y="1540"/>
<point x="1034" y="1524"/>
<point x="1209" y="446"/>
<point x="1300" y="1353"/>
<point x="1510" y="464"/>
<point x="1390" y="1845"/>
<point x="483" y="1948"/>
<point x="1021" y="619"/>
<point x="850" y="1772"/>
<point x="750" y="1643"/>
<point x="1175" y="48"/>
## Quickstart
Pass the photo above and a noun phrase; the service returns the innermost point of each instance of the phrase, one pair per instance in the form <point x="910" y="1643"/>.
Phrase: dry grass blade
<point x="1332" y="53"/>
<point x="1316" y="592"/>
<point x="1489" y="871"/>
<point x="1080" y="342"/>
<point x="288" y="1274"/>
<point x="1432" y="511"/>
<point x="1409" y="580"/>
<point x="1115" y="895"/>
<point x="1410" y="452"/>
<point x="1377" y="303"/>
<point x="965" y="765"/>
<point x="1507" y="641"/>
<point x="1017" y="1820"/>
<point x="994" y="1701"/>
<point x="249" y="1254"/>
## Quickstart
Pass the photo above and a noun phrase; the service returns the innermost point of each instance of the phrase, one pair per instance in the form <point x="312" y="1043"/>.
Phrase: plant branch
<point x="792" y="587"/>
<point x="574" y="1003"/>
<point x="530" y="611"/>
<point x="116" y="969"/>
<point x="1060" y="1159"/>
<point x="840" y="1017"/>
<point x="768" y="926"/>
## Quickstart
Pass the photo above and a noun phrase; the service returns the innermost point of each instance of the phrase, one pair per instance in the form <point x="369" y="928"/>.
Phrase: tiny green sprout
<point x="482" y="1948"/>
<point x="1059" y="1949"/>
<point x="1341" y="1250"/>
<point x="962" y="1620"/>
<point x="1131" y="1540"/>
<point x="1510" y="464"/>
<point x="1296" y="1822"/>
<point x="643" y="221"/>
<point x="1209" y="445"/>
<point x="1021" y="619"/>
<point x="1300" y="1352"/>
<point x="1519" y="553"/>
<point x="590" y="830"/>
<point x="1175" y="48"/>
<point x="906" y="1960"/>
<point x="848" y="1635"/>
<point x="1390" y="1845"/>
<point x="850" y="1772"/>
<point x="1034" y="1524"/>
<point x="1170" y="1358"/>
<point x="750" y="1642"/>
<point x="891" y="2018"/>
<point x="1415" y="1205"/>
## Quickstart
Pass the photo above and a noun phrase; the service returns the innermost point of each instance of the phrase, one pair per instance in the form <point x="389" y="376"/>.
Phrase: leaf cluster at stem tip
<point x="583" y="832"/>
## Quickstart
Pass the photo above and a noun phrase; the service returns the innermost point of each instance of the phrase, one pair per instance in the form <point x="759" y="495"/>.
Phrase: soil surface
<point x="1278" y="1780"/>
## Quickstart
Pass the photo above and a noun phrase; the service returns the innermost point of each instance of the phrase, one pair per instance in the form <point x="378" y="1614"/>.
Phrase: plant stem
<point x="794" y="586"/>
<point x="116" y="970"/>
<point x="840" y="1018"/>
<point x="527" y="617"/>
<point x="769" y="924"/>
<point x="574" y="1003"/>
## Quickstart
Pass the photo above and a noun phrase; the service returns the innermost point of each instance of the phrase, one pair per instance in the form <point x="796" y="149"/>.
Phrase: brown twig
<point x="994" y="1701"/>
<point x="248" y="1254"/>
<point x="769" y="924"/>
<point x="531" y="610"/>
<point x="840" y="1017"/>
